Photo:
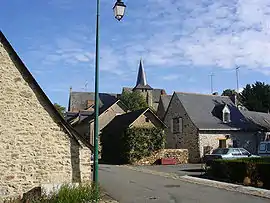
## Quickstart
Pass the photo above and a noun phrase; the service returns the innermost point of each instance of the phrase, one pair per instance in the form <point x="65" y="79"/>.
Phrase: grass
<point x="83" y="193"/>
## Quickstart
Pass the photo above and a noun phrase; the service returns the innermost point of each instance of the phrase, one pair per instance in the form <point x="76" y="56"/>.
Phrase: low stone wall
<point x="181" y="156"/>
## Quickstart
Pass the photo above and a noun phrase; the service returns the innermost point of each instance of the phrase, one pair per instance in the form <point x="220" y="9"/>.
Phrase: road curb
<point x="212" y="183"/>
<point x="228" y="186"/>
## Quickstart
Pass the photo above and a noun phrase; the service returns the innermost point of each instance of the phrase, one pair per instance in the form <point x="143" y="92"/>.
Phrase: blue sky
<point x="181" y="42"/>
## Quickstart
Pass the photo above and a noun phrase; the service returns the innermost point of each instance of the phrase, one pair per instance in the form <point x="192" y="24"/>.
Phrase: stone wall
<point x="105" y="118"/>
<point x="34" y="149"/>
<point x="188" y="138"/>
<point x="142" y="121"/>
<point x="210" y="140"/>
<point x="181" y="156"/>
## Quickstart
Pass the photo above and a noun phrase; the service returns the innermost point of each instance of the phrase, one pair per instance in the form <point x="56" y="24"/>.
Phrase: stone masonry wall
<point x="33" y="147"/>
<point x="105" y="118"/>
<point x="210" y="140"/>
<point x="141" y="122"/>
<point x="188" y="138"/>
<point x="181" y="156"/>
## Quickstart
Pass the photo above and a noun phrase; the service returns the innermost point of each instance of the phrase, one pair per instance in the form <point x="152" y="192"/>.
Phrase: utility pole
<point x="211" y="78"/>
<point x="237" y="85"/>
<point x="237" y="79"/>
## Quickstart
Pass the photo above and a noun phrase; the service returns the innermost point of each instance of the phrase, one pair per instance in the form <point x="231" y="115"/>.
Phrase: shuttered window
<point x="177" y="125"/>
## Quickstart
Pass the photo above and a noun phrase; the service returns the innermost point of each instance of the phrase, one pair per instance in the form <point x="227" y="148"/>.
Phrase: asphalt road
<point x="129" y="186"/>
<point x="180" y="170"/>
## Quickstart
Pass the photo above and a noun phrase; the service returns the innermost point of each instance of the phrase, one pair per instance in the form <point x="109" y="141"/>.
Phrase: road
<point x="129" y="186"/>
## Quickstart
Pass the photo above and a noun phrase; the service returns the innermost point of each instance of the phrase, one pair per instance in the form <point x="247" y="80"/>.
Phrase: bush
<point x="82" y="193"/>
<point x="238" y="170"/>
<point x="131" y="145"/>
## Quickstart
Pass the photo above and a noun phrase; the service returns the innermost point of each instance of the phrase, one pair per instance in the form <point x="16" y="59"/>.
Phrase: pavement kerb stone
<point x="227" y="186"/>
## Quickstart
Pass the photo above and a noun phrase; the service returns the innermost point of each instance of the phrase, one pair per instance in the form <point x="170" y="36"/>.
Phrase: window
<point x="236" y="152"/>
<point x="226" y="114"/>
<point x="147" y="120"/>
<point x="220" y="151"/>
<point x="244" y="152"/>
<point x="226" y="117"/>
<point x="177" y="125"/>
<point x="222" y="143"/>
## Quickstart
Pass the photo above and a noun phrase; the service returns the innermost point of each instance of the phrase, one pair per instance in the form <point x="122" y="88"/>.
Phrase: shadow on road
<point x="195" y="170"/>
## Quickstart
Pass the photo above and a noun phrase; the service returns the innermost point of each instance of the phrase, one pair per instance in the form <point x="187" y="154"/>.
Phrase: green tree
<point x="60" y="109"/>
<point x="256" y="97"/>
<point x="133" y="100"/>
<point x="228" y="92"/>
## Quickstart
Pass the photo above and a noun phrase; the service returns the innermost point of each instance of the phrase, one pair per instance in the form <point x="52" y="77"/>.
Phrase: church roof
<point x="141" y="79"/>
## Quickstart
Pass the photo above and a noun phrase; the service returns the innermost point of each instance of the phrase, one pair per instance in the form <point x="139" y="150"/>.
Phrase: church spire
<point x="141" y="78"/>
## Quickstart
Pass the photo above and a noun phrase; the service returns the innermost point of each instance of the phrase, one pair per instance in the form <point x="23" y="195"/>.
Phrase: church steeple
<point x="141" y="78"/>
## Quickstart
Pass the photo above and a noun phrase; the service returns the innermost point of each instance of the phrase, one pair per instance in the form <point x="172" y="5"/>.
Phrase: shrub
<point x="256" y="170"/>
<point x="82" y="193"/>
<point x="131" y="145"/>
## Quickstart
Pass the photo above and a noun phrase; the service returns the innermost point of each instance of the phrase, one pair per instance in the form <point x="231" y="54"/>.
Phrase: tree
<point x="133" y="100"/>
<point x="229" y="92"/>
<point x="256" y="97"/>
<point x="60" y="109"/>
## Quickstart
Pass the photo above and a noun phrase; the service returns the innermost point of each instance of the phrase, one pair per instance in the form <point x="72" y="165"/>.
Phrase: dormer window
<point x="226" y="114"/>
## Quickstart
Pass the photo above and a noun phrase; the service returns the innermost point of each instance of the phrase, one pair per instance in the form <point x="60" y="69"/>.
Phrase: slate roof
<point x="260" y="119"/>
<point x="165" y="99"/>
<point x="33" y="83"/>
<point x="78" y="100"/>
<point x="141" y="79"/>
<point x="205" y="112"/>
<point x="121" y="122"/>
<point x="89" y="115"/>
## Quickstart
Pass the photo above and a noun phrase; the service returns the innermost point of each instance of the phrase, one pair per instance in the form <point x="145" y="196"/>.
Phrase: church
<point x="84" y="101"/>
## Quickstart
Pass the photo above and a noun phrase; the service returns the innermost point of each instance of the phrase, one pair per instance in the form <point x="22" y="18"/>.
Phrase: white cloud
<point x="199" y="33"/>
<point x="204" y="33"/>
<point x="171" y="77"/>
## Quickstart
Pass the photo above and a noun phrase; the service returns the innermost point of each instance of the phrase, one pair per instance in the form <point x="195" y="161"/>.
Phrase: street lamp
<point x="119" y="11"/>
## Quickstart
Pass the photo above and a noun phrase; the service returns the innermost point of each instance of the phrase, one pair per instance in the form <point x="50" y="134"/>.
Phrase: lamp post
<point x="119" y="11"/>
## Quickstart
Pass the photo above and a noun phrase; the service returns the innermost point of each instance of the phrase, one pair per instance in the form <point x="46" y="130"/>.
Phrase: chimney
<point x="163" y="92"/>
<point x="234" y="99"/>
<point x="70" y="89"/>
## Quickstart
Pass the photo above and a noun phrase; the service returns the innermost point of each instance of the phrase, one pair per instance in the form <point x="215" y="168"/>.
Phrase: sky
<point x="180" y="42"/>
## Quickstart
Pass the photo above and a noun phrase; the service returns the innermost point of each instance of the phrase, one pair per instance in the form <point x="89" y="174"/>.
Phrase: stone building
<point x="201" y="123"/>
<point x="163" y="104"/>
<point x="84" y="121"/>
<point x="151" y="95"/>
<point x="37" y="146"/>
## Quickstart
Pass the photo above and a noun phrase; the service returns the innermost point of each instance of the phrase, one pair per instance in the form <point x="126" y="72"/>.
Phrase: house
<point x="37" y="146"/>
<point x="112" y="133"/>
<point x="83" y="122"/>
<point x="163" y="104"/>
<point x="140" y="118"/>
<point x="84" y="101"/>
<point x="201" y="123"/>
<point x="151" y="95"/>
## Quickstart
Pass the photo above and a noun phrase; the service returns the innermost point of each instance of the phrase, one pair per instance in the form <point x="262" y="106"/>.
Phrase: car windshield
<point x="220" y="151"/>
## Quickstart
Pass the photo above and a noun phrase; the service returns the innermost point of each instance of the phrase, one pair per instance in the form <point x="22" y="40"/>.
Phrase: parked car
<point x="227" y="153"/>
<point x="264" y="148"/>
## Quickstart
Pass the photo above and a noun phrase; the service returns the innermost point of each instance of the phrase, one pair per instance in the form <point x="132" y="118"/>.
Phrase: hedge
<point x="256" y="170"/>
<point x="131" y="144"/>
